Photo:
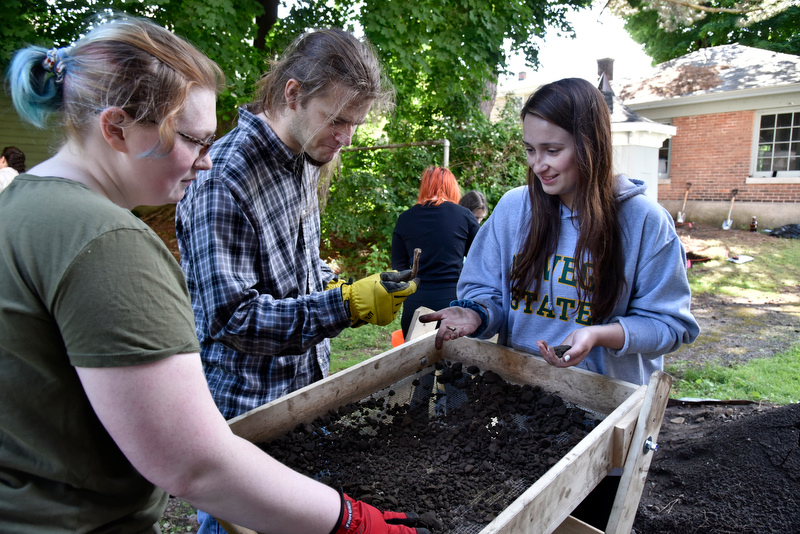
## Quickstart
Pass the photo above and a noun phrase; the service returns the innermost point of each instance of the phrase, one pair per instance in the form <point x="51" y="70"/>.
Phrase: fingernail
<point x="566" y="357"/>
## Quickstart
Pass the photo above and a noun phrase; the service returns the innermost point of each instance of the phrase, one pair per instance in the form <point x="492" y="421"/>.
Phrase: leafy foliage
<point x="777" y="33"/>
<point x="674" y="13"/>
<point x="442" y="56"/>
<point x="374" y="187"/>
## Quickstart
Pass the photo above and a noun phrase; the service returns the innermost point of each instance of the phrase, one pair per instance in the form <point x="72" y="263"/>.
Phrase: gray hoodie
<point x="654" y="310"/>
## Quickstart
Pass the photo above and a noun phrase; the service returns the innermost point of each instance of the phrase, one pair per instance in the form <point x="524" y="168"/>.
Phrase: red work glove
<point x="358" y="517"/>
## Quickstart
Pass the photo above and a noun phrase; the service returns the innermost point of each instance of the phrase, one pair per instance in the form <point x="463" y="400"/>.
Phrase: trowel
<point x="682" y="213"/>
<point x="726" y="224"/>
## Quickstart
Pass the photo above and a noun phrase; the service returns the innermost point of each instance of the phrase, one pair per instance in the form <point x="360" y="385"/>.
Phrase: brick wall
<point x="713" y="152"/>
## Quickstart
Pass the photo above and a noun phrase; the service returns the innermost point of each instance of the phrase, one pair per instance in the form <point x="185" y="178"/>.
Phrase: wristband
<point x="480" y="310"/>
<point x="341" y="512"/>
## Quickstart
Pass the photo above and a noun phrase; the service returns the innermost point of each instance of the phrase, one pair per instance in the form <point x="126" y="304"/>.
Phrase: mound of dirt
<point x="731" y="469"/>
<point x="727" y="468"/>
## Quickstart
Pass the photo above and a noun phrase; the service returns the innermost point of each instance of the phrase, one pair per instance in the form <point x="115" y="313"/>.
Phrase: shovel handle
<point x="734" y="193"/>
<point x="727" y="223"/>
<point x="682" y="213"/>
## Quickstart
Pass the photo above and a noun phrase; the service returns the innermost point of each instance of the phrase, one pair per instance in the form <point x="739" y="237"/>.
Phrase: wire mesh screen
<point x="455" y="445"/>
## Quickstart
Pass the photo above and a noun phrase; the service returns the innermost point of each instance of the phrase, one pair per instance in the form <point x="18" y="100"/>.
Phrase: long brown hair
<point x="579" y="108"/>
<point x="321" y="60"/>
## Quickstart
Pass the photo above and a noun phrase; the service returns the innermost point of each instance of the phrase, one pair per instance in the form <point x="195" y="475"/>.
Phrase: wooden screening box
<point x="625" y="438"/>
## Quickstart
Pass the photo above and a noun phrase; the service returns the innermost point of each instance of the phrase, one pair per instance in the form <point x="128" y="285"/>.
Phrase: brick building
<point x="736" y="111"/>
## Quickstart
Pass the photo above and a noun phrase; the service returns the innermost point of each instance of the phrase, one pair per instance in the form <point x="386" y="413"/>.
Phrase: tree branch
<point x="265" y="22"/>
<point x="741" y="11"/>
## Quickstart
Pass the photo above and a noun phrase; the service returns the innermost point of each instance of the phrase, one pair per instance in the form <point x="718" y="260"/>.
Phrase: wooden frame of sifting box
<point x="625" y="438"/>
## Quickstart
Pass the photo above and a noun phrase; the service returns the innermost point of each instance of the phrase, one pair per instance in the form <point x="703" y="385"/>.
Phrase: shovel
<point x="726" y="224"/>
<point x="682" y="213"/>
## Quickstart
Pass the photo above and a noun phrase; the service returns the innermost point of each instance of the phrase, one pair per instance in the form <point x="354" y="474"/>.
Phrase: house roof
<point x="717" y="69"/>
<point x="619" y="111"/>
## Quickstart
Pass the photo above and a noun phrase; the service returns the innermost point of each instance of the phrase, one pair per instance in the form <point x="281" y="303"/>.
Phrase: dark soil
<point x="721" y="469"/>
<point x="459" y="451"/>
<point x="728" y="468"/>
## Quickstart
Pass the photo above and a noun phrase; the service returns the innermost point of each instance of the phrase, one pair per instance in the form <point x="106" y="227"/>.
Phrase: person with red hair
<point x="444" y="231"/>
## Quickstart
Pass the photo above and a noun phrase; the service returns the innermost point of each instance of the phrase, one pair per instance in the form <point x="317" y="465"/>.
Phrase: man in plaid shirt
<point x="248" y="230"/>
<point x="265" y="304"/>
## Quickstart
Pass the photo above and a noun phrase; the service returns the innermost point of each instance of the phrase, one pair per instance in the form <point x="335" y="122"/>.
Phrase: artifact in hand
<point x="561" y="349"/>
<point x="415" y="265"/>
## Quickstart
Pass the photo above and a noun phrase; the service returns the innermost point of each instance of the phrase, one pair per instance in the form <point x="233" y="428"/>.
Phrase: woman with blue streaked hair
<point x="105" y="408"/>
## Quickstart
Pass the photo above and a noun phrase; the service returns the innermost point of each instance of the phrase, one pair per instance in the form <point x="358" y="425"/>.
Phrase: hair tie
<point x="54" y="62"/>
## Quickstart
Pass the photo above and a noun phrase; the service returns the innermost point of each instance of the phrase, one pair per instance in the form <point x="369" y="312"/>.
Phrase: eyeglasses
<point x="205" y="144"/>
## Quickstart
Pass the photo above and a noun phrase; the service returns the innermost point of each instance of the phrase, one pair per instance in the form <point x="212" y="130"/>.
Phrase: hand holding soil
<point x="455" y="323"/>
<point x="553" y="355"/>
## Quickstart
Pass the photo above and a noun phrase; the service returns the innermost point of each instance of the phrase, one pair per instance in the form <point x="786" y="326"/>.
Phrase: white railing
<point x="444" y="142"/>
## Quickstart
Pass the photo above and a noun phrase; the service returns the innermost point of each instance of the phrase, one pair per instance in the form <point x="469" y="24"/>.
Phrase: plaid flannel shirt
<point x="248" y="232"/>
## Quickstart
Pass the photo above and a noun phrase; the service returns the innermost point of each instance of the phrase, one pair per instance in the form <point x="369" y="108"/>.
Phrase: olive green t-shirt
<point x="83" y="283"/>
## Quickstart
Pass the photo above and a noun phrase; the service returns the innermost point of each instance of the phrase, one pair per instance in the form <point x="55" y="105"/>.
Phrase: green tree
<point x="442" y="56"/>
<point x="687" y="12"/>
<point x="224" y="29"/>
<point x="687" y="28"/>
<point x="373" y="187"/>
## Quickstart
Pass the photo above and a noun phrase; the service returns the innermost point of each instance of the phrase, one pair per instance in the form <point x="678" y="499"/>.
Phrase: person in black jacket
<point x="444" y="231"/>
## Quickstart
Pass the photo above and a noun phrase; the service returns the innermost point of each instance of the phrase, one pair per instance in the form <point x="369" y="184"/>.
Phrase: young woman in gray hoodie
<point x="578" y="257"/>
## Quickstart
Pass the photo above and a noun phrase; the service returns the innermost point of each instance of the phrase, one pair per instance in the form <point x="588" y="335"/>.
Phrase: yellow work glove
<point x="376" y="299"/>
<point x="334" y="283"/>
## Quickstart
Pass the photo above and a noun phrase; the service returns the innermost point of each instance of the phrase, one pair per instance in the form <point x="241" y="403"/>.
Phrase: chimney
<point x="523" y="75"/>
<point x="606" y="66"/>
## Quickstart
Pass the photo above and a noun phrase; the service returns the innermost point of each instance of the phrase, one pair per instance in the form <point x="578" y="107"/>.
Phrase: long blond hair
<point x="130" y="63"/>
